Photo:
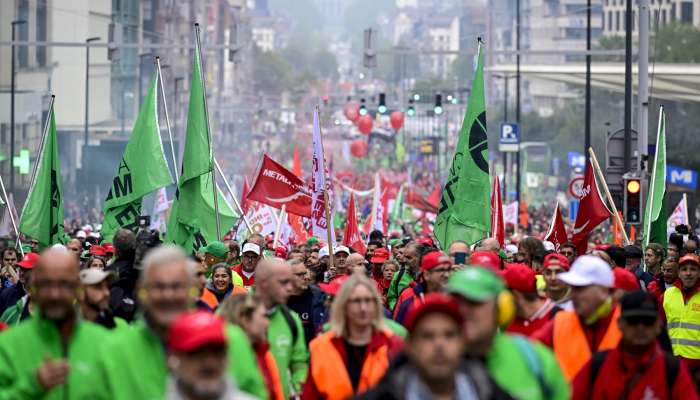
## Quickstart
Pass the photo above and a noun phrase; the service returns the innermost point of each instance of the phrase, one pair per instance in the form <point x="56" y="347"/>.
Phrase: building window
<point x="663" y="17"/>
<point x="41" y="33"/>
<point x="687" y="12"/>
<point x="22" y="33"/>
<point x="610" y="20"/>
<point x="673" y="12"/>
<point x="617" y="21"/>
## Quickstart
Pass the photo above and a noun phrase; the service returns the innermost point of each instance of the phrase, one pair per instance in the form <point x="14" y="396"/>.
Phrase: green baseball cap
<point x="216" y="249"/>
<point x="475" y="283"/>
<point x="312" y="241"/>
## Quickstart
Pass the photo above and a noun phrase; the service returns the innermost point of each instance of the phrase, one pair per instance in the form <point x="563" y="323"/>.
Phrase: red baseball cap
<point x="281" y="252"/>
<point x="689" y="258"/>
<point x="380" y="255"/>
<point x="520" y="277"/>
<point x="486" y="259"/>
<point x="556" y="259"/>
<point x="193" y="330"/>
<point x="97" y="250"/>
<point x="28" y="261"/>
<point x="434" y="259"/>
<point x="433" y="303"/>
<point x="333" y="287"/>
<point x="625" y="280"/>
<point x="109" y="248"/>
<point x="425" y="241"/>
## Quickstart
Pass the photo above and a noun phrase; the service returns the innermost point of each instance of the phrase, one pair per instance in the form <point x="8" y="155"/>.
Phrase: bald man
<point x="273" y="286"/>
<point x="53" y="348"/>
<point x="356" y="264"/>
<point x="489" y="244"/>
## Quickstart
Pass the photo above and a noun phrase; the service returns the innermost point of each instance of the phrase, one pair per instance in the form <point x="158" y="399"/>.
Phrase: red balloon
<point x="396" y="120"/>
<point x="358" y="148"/>
<point x="352" y="111"/>
<point x="365" y="124"/>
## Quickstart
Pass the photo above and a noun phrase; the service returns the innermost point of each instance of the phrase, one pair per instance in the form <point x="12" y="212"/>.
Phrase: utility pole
<point x="12" y="108"/>
<point x="517" y="94"/>
<point x="628" y="87"/>
<point x="87" y="89"/>
<point x="587" y="133"/>
<point x="643" y="88"/>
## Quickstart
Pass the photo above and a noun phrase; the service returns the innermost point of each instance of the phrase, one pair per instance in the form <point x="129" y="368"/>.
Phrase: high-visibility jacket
<point x="329" y="373"/>
<point x="683" y="321"/>
<point x="571" y="348"/>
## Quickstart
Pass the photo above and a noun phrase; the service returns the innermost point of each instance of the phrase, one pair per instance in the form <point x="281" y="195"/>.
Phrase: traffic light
<point x="382" y="103"/>
<point x="416" y="97"/>
<point x="632" y="200"/>
<point x="411" y="111"/>
<point x="325" y="100"/>
<point x="363" y="109"/>
<point x="438" y="104"/>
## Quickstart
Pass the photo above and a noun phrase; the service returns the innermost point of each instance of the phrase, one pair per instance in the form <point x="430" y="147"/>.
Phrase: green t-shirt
<point x="401" y="280"/>
<point x="291" y="358"/>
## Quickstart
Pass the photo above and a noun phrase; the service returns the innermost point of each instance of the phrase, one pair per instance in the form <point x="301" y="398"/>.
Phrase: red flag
<point x="591" y="211"/>
<point x="297" y="162"/>
<point x="244" y="196"/>
<point x="297" y="224"/>
<point x="557" y="230"/>
<point x="416" y="200"/>
<point x="276" y="185"/>
<point x="435" y="195"/>
<point x="498" y="229"/>
<point x="351" y="237"/>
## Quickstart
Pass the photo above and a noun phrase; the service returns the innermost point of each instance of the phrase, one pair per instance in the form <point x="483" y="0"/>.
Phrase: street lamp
<point x="87" y="84"/>
<point x="12" y="107"/>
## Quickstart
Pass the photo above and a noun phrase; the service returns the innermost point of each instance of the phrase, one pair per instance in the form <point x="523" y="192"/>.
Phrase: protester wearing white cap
<point x="94" y="298"/>
<point x="592" y="325"/>
<point x="250" y="255"/>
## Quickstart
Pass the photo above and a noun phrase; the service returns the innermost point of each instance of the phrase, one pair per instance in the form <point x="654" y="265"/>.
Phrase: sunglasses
<point x="646" y="321"/>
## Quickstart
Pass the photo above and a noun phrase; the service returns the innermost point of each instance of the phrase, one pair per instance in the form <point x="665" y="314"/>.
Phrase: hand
<point x="52" y="373"/>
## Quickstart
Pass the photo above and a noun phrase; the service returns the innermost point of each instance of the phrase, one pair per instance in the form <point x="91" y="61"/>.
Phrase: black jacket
<point x="122" y="299"/>
<point x="10" y="296"/>
<point x="311" y="309"/>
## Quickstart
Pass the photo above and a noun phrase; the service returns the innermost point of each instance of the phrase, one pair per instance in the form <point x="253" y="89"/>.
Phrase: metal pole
<point x="18" y="243"/>
<point x="233" y="196"/>
<point x="505" y="154"/>
<point x="628" y="87"/>
<point x="211" y="148"/>
<point x="643" y="87"/>
<point x="587" y="131"/>
<point x="12" y="107"/>
<point x="167" y="120"/>
<point x="517" y="94"/>
<point x="87" y="89"/>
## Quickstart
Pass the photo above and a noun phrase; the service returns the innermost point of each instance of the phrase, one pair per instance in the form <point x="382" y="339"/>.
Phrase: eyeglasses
<point x="361" y="300"/>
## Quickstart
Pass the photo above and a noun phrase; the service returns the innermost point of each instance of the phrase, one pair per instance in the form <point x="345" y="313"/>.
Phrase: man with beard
<point x="134" y="364"/>
<point x="197" y="359"/>
<point x="14" y="300"/>
<point x="54" y="353"/>
<point x="94" y="298"/>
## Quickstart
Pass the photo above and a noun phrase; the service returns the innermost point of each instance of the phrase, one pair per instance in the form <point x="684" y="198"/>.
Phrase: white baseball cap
<point x="324" y="252"/>
<point x="549" y="246"/>
<point x="81" y="234"/>
<point x="251" y="247"/>
<point x="92" y="276"/>
<point x="341" y="249"/>
<point x="511" y="249"/>
<point x="588" y="270"/>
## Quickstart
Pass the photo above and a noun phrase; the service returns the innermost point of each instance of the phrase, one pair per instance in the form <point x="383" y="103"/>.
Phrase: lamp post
<point x="12" y="107"/>
<point x="87" y="85"/>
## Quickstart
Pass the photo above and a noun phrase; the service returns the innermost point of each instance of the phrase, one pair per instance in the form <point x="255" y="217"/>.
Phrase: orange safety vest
<point x="274" y="375"/>
<point x="330" y="375"/>
<point x="209" y="298"/>
<point x="571" y="347"/>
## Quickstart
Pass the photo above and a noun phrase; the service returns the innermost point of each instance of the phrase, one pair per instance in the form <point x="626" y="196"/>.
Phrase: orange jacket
<point x="572" y="349"/>
<point x="269" y="371"/>
<point x="328" y="376"/>
<point x="210" y="298"/>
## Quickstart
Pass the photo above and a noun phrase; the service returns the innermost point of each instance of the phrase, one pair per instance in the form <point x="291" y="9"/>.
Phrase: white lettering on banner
<point x="585" y="191"/>
<point x="685" y="176"/>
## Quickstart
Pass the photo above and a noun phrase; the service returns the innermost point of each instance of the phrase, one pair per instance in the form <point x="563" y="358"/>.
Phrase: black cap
<point x="632" y="251"/>
<point x="639" y="304"/>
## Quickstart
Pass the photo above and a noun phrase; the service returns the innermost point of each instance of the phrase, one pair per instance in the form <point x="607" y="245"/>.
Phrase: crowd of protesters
<point x="406" y="320"/>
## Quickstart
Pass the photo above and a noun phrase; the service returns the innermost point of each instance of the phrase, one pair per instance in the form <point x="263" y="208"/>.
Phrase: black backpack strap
<point x="672" y="365"/>
<point x="290" y="321"/>
<point x="596" y="362"/>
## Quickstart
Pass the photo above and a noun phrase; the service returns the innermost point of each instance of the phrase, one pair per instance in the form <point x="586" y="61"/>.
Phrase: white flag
<point x="262" y="220"/>
<point x="6" y="228"/>
<point x="679" y="216"/>
<point x="319" y="222"/>
<point x="510" y="214"/>
<point x="160" y="210"/>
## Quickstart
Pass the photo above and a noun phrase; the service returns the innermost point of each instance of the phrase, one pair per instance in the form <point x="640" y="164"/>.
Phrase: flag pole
<point x="279" y="225"/>
<point x="211" y="148"/>
<point x="167" y="120"/>
<point x="12" y="217"/>
<point x="596" y="166"/>
<point x="325" y="196"/>
<point x="233" y="196"/>
<point x="685" y="208"/>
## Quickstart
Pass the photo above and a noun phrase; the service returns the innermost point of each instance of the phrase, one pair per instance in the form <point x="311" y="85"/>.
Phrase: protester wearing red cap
<point x="625" y="281"/>
<point x="555" y="289"/>
<point x="486" y="259"/>
<point x="532" y="312"/>
<point x="10" y="297"/>
<point x="197" y="359"/>
<point x="435" y="269"/>
<point x="379" y="256"/>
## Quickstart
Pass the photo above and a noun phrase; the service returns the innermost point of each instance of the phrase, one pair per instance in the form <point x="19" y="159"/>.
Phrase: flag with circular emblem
<point x="463" y="213"/>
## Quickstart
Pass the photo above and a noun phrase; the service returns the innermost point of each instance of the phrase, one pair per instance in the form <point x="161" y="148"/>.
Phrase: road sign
<point x="679" y="176"/>
<point x="573" y="209"/>
<point x="510" y="137"/>
<point x="577" y="161"/>
<point x="576" y="187"/>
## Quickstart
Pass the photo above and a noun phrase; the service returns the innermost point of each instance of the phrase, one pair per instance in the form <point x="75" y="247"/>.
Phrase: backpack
<point x="534" y="364"/>
<point x="671" y="364"/>
<point x="287" y="313"/>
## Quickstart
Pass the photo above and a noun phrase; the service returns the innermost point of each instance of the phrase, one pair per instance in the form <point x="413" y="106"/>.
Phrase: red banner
<point x="277" y="186"/>
<point x="498" y="229"/>
<point x="557" y="230"/>
<point x="351" y="237"/>
<point x="591" y="211"/>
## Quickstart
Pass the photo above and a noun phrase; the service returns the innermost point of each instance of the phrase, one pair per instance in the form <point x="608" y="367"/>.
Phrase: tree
<point x="324" y="63"/>
<point x="676" y="43"/>
<point x="271" y="73"/>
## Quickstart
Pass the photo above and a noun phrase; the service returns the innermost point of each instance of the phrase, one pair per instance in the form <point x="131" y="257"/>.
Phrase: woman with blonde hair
<point x="250" y="314"/>
<point x="354" y="354"/>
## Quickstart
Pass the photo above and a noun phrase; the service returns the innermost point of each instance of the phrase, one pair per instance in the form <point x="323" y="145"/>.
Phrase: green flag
<point x="192" y="221"/>
<point x="42" y="215"/>
<point x="142" y="169"/>
<point x="397" y="211"/>
<point x="654" y="210"/>
<point x="464" y="208"/>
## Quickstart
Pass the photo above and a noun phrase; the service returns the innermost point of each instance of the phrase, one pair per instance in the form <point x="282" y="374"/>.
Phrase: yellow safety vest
<point x="683" y="323"/>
